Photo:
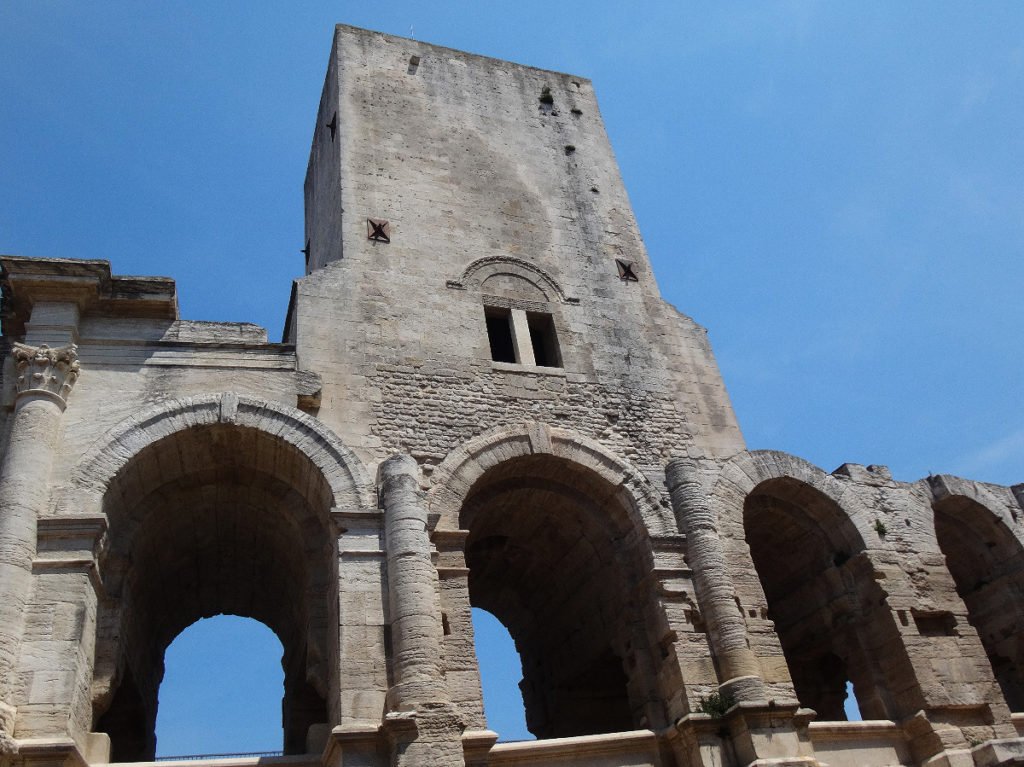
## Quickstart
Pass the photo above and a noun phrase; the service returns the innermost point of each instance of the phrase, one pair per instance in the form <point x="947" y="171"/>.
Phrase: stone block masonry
<point x="481" y="401"/>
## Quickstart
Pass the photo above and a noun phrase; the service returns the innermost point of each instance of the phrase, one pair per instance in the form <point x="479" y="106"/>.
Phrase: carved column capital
<point x="51" y="372"/>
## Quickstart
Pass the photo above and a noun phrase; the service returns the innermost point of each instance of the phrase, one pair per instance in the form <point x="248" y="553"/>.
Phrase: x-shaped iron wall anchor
<point x="626" y="270"/>
<point x="378" y="230"/>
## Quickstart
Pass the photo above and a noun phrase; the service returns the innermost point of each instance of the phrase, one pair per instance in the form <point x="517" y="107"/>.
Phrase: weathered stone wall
<point x="493" y="198"/>
<point x="675" y="599"/>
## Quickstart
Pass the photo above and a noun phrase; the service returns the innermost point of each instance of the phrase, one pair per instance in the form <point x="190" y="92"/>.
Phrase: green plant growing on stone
<point x="546" y="97"/>
<point x="880" y="528"/>
<point x="716" y="704"/>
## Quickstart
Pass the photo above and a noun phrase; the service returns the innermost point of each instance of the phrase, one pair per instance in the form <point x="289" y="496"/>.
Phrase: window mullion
<point x="521" y="338"/>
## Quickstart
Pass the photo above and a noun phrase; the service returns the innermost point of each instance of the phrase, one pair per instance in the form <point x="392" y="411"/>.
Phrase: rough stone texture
<point x="486" y="209"/>
<point x="551" y="443"/>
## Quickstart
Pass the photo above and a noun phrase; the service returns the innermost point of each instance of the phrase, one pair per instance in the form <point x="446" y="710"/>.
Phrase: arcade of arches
<point x="677" y="600"/>
<point x="221" y="518"/>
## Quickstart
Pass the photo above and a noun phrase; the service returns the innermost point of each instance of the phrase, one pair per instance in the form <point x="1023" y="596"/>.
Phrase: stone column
<point x="423" y="726"/>
<point x="44" y="378"/>
<point x="716" y="595"/>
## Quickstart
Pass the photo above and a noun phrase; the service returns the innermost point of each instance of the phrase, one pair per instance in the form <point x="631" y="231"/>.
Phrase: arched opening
<point x="500" y="672"/>
<point x="985" y="561"/>
<point x="216" y="699"/>
<point x="553" y="555"/>
<point x="829" y="614"/>
<point x="213" y="519"/>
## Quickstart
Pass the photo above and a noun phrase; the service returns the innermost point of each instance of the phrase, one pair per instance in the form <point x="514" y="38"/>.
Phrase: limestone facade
<point x="480" y="400"/>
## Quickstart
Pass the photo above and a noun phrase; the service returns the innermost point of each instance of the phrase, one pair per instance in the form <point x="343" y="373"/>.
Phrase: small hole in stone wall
<point x="414" y="63"/>
<point x="546" y="97"/>
<point x="666" y="643"/>
<point x="594" y="189"/>
<point x="934" y="624"/>
<point x="576" y="111"/>
<point x="445" y="627"/>
<point x="569" y="148"/>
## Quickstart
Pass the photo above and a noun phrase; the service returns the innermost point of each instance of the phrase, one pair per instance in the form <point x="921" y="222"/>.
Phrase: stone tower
<point x="480" y="400"/>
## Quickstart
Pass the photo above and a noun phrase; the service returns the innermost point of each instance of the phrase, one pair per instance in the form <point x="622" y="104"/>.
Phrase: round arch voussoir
<point x="452" y="480"/>
<point x="474" y="275"/>
<point x="745" y="471"/>
<point x="945" y="486"/>
<point x="350" y="484"/>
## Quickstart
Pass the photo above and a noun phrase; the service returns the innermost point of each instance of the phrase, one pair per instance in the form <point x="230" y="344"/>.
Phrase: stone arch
<point x="943" y="486"/>
<point x="215" y="504"/>
<point x="451" y="480"/>
<point x="483" y="269"/>
<point x="350" y="483"/>
<point x="805" y="536"/>
<point x="986" y="560"/>
<point x="558" y="547"/>
<point x="744" y="471"/>
<point x="464" y="465"/>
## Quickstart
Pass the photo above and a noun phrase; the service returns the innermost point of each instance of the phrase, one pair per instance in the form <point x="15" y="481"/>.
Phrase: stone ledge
<point x="298" y="760"/>
<point x="1005" y="752"/>
<point x="515" y="367"/>
<point x="854" y="730"/>
<point x="574" y="749"/>
<point x="51" y="751"/>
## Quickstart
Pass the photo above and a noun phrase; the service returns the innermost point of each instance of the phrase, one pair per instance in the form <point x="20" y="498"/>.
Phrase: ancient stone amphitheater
<point x="481" y="400"/>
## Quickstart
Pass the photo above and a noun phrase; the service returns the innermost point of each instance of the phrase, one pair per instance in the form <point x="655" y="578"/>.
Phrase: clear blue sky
<point x="836" y="190"/>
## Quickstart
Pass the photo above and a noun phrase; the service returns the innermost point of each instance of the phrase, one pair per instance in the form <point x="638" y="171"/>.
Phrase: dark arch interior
<point x="553" y="556"/>
<point x="984" y="559"/>
<point x="829" y="614"/>
<point x="216" y="519"/>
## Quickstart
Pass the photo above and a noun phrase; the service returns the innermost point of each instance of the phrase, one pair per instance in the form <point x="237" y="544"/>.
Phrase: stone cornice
<point x="89" y="284"/>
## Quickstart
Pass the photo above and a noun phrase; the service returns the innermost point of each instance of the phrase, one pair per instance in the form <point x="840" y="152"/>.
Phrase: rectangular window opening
<point x="499" y="333"/>
<point x="543" y="340"/>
